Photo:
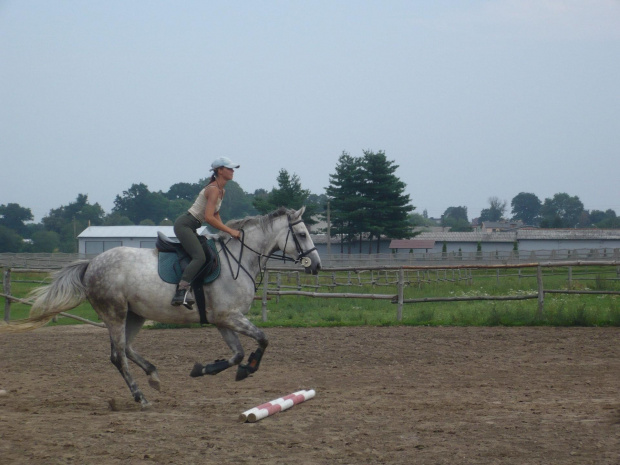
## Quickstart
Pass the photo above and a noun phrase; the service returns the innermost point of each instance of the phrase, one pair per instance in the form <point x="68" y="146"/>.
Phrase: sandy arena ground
<point x="399" y="395"/>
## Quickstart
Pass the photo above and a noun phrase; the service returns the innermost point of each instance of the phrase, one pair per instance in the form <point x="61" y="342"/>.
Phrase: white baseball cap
<point x="225" y="162"/>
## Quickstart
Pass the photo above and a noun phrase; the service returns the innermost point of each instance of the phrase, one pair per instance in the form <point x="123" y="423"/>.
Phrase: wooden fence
<point x="381" y="276"/>
<point x="8" y="298"/>
<point x="464" y="273"/>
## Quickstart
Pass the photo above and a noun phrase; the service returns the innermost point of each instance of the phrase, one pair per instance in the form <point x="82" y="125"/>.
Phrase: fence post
<point x="265" y="285"/>
<point x="541" y="292"/>
<point x="6" y="282"/>
<point x="401" y="287"/>
<point x="278" y="285"/>
<point x="570" y="277"/>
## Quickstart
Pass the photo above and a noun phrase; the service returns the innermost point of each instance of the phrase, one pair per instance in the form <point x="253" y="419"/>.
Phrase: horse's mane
<point x="262" y="221"/>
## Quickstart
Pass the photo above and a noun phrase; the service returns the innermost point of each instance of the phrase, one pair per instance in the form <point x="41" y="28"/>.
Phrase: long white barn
<point x="525" y="240"/>
<point x="97" y="239"/>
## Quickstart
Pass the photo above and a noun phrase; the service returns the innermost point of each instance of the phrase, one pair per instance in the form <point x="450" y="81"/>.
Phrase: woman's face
<point x="226" y="173"/>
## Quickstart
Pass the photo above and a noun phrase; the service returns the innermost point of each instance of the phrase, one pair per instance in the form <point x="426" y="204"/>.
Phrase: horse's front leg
<point x="232" y="340"/>
<point x="243" y="326"/>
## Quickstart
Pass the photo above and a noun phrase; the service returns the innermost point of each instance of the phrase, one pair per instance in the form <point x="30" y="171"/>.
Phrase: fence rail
<point x="464" y="274"/>
<point x="453" y="258"/>
<point x="8" y="298"/>
<point x="398" y="297"/>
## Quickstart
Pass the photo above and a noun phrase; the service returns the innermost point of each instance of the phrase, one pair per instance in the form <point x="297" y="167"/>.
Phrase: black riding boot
<point x="183" y="296"/>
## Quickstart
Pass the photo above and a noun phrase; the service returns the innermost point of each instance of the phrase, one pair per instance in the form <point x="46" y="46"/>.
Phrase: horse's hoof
<point x="243" y="371"/>
<point x="145" y="406"/>
<point x="154" y="381"/>
<point x="197" y="370"/>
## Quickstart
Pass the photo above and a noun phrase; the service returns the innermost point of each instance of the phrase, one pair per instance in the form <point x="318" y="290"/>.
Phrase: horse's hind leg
<point x="132" y="326"/>
<point x="119" y="360"/>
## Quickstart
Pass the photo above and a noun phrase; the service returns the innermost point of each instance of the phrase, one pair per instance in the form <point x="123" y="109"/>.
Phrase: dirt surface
<point x="397" y="395"/>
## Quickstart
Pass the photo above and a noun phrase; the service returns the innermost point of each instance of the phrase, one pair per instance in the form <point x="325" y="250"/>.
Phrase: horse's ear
<point x="299" y="213"/>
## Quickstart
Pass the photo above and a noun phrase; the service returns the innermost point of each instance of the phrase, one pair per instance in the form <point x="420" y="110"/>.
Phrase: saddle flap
<point x="164" y="244"/>
<point x="173" y="259"/>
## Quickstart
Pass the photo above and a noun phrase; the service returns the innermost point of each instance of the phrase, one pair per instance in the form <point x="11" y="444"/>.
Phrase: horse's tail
<point x="66" y="291"/>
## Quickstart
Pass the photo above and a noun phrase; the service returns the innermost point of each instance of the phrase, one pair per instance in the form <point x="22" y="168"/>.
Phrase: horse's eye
<point x="302" y="235"/>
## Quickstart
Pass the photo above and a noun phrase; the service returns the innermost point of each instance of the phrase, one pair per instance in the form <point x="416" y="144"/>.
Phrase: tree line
<point x="58" y="230"/>
<point x="365" y="200"/>
<point x="560" y="211"/>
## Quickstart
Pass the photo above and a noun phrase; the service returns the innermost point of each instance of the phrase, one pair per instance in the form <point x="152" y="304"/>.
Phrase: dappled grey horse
<point x="124" y="288"/>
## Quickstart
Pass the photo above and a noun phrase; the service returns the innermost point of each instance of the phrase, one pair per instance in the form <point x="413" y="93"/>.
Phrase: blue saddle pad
<point x="169" y="266"/>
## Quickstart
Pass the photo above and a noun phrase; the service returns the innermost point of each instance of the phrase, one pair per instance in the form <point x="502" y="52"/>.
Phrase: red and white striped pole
<point x="275" y="406"/>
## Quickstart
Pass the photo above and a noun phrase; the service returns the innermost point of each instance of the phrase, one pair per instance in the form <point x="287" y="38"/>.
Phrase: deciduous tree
<point x="526" y="208"/>
<point x="10" y="241"/>
<point x="14" y="216"/>
<point x="455" y="218"/>
<point x="237" y="204"/>
<point x="138" y="203"/>
<point x="496" y="210"/>
<point x="184" y="190"/>
<point x="561" y="211"/>
<point x="45" y="242"/>
<point x="70" y="220"/>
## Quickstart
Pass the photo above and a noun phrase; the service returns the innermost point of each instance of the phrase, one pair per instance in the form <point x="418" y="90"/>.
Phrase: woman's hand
<point x="235" y="233"/>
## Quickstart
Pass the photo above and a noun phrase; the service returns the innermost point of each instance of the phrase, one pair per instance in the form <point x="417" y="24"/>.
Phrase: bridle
<point x="302" y="256"/>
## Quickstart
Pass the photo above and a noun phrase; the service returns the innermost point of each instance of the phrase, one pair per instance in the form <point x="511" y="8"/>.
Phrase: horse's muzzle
<point x="313" y="269"/>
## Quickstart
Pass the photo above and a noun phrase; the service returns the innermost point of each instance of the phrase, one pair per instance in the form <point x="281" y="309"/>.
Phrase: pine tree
<point x="387" y="206"/>
<point x="290" y="194"/>
<point x="367" y="197"/>
<point x="346" y="203"/>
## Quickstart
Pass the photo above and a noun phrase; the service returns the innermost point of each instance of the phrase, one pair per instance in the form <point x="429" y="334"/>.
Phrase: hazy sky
<point x="471" y="99"/>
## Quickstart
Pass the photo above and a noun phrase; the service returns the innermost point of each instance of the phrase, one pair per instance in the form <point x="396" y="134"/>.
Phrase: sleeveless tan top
<point x="198" y="209"/>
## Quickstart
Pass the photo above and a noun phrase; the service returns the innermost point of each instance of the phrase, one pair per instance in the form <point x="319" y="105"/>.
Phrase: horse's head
<point x="282" y="229"/>
<point x="298" y="243"/>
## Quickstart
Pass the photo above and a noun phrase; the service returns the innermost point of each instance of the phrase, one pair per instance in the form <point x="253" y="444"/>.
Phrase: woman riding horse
<point x="206" y="208"/>
<point x="124" y="287"/>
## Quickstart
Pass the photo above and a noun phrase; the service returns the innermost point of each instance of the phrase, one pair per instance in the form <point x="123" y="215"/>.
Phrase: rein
<point x="301" y="258"/>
